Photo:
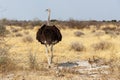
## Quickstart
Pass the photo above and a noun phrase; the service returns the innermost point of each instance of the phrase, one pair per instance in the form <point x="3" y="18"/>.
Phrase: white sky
<point x="61" y="9"/>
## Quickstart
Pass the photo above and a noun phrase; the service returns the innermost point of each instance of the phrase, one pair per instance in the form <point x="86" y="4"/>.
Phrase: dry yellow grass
<point x="62" y="50"/>
<point x="21" y="50"/>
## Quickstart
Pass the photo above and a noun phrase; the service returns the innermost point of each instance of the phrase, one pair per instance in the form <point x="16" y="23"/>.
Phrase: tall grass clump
<point x="6" y="64"/>
<point x="3" y="30"/>
<point x="102" y="45"/>
<point x="77" y="46"/>
<point x="27" y="39"/>
<point x="14" y="30"/>
<point x="18" y="35"/>
<point x="33" y="65"/>
<point x="115" y="68"/>
<point x="78" y="33"/>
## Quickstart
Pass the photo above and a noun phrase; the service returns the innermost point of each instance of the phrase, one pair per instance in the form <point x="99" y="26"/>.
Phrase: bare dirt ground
<point x="80" y="70"/>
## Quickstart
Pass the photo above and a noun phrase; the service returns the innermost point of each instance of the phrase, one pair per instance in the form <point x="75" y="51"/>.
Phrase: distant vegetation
<point x="62" y="24"/>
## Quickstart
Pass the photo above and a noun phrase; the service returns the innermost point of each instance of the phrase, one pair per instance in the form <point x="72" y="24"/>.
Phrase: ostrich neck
<point x="48" y="22"/>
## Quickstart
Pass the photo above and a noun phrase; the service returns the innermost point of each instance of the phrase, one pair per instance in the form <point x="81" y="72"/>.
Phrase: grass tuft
<point x="103" y="45"/>
<point x="32" y="62"/>
<point x="18" y="35"/>
<point x="6" y="63"/>
<point x="27" y="39"/>
<point x="78" y="33"/>
<point x="77" y="46"/>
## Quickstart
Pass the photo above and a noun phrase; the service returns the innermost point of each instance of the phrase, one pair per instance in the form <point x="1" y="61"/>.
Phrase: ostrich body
<point x="49" y="36"/>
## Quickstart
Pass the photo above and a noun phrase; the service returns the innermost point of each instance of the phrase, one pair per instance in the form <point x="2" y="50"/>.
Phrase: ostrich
<point x="49" y="35"/>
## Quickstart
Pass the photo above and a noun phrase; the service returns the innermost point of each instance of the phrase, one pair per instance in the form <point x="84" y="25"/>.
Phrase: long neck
<point x="48" y="22"/>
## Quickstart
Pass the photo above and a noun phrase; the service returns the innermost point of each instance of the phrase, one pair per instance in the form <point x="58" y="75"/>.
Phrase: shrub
<point x="77" y="46"/>
<point x="114" y="68"/>
<point x="14" y="30"/>
<point x="18" y="35"/>
<point x="32" y="61"/>
<point x="78" y="33"/>
<point x="6" y="64"/>
<point x="3" y="30"/>
<point x="27" y="39"/>
<point x="26" y="32"/>
<point x="103" y="45"/>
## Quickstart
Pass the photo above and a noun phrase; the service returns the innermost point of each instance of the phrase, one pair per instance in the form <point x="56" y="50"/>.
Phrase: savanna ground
<point x="22" y="57"/>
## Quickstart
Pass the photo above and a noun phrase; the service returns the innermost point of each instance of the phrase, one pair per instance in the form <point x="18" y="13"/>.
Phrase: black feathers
<point x="48" y="35"/>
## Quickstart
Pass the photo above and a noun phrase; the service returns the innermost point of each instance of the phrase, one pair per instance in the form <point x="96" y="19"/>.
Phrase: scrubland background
<point x="22" y="54"/>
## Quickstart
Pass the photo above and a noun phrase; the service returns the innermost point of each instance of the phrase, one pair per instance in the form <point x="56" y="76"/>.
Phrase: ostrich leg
<point x="51" y="56"/>
<point x="49" y="53"/>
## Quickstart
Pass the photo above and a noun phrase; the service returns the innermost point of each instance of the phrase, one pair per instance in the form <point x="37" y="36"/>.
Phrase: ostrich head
<point x="49" y="11"/>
